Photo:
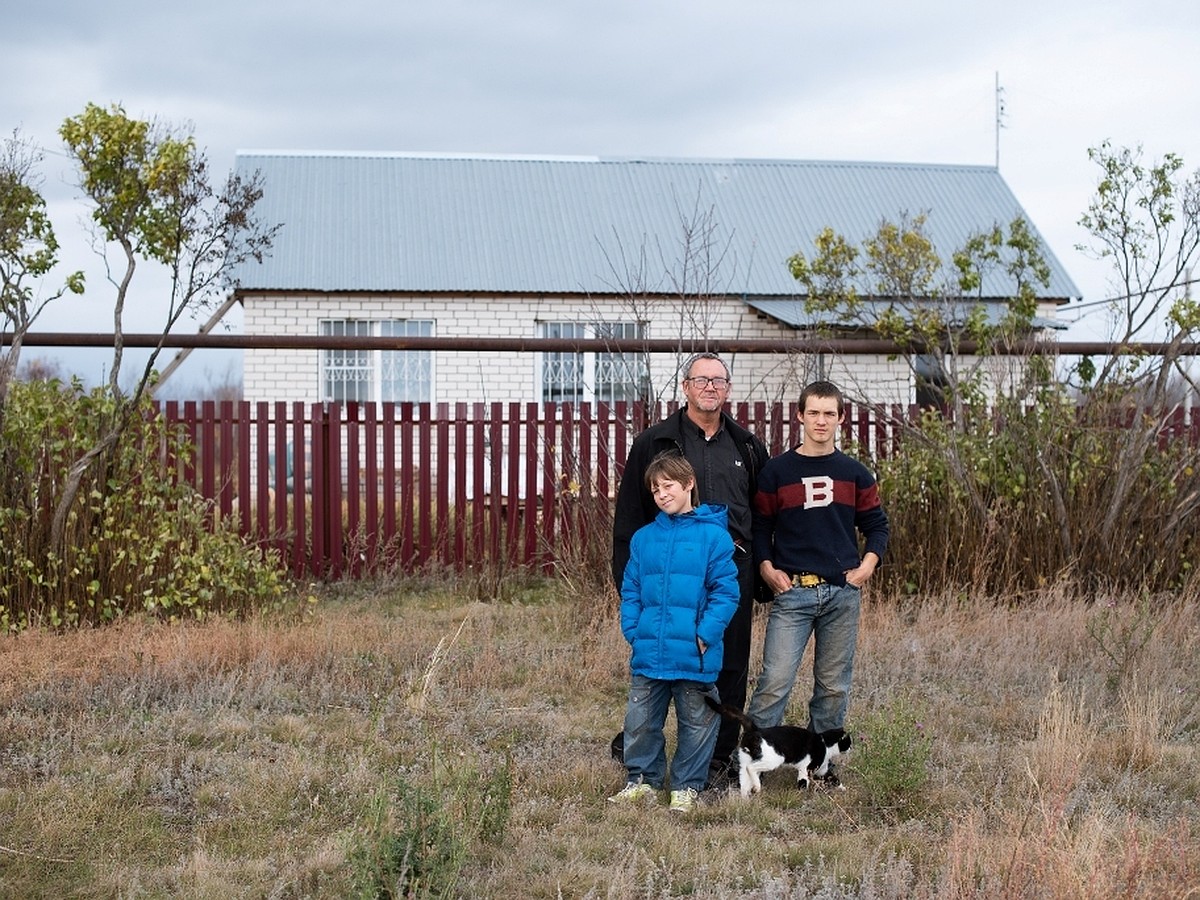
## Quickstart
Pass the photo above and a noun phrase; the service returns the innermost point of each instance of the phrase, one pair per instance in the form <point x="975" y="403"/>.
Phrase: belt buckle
<point x="807" y="579"/>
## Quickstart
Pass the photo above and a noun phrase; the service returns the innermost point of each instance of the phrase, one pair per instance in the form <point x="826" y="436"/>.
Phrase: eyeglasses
<point x="703" y="381"/>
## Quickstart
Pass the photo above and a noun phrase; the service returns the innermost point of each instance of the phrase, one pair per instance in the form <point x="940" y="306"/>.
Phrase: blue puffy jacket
<point x="680" y="584"/>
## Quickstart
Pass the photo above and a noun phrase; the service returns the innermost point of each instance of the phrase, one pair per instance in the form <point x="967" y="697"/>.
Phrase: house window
<point x="349" y="375"/>
<point x="932" y="383"/>
<point x="570" y="377"/>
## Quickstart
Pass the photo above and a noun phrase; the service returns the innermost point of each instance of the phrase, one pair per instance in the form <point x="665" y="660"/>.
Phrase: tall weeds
<point x="1016" y="499"/>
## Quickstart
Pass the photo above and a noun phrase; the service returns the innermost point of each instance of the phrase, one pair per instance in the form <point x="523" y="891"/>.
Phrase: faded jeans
<point x="829" y="614"/>
<point x="645" y="743"/>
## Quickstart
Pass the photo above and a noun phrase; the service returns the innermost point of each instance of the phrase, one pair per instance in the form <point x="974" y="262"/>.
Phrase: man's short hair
<point x="826" y="390"/>
<point x="707" y="354"/>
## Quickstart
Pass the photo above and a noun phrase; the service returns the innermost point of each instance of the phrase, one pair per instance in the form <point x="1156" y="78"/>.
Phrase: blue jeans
<point x="645" y="743"/>
<point x="829" y="614"/>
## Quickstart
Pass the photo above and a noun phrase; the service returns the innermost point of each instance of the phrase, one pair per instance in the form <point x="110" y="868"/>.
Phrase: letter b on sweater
<point x="818" y="492"/>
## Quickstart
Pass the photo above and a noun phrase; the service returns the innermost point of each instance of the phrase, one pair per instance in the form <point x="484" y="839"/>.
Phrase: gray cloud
<point x="775" y="78"/>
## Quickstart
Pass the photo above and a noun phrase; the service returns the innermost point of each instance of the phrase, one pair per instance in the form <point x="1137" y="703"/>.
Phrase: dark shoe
<point x="617" y="747"/>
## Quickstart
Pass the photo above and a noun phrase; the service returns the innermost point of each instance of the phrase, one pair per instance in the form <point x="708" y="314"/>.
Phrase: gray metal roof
<point x="791" y="311"/>
<point x="440" y="223"/>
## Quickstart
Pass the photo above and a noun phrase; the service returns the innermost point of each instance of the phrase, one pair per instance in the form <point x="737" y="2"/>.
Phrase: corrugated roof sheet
<point x="439" y="223"/>
<point x="791" y="311"/>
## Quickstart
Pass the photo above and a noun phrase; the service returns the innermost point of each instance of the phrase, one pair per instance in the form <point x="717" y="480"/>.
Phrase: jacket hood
<point x="716" y="513"/>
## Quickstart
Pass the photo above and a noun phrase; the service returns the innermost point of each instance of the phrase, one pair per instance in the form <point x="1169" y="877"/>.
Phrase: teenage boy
<point x="812" y="505"/>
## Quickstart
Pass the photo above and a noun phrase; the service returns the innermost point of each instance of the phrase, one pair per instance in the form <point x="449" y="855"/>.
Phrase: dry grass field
<point x="400" y="740"/>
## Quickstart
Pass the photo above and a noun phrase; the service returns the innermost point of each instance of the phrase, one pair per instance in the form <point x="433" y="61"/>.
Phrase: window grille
<point x="576" y="377"/>
<point x="377" y="375"/>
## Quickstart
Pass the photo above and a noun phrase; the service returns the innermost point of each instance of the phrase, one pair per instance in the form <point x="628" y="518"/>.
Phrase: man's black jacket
<point x="635" y="505"/>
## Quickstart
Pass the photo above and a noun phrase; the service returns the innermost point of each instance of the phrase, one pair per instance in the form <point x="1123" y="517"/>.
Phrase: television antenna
<point x="1000" y="112"/>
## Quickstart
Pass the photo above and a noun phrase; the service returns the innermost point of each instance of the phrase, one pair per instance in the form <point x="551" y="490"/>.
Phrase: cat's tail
<point x="730" y="712"/>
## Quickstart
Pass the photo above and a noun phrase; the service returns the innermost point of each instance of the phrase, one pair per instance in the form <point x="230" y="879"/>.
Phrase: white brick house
<point x="487" y="247"/>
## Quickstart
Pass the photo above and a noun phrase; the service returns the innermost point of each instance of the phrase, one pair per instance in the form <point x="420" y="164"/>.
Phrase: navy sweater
<point x="808" y="509"/>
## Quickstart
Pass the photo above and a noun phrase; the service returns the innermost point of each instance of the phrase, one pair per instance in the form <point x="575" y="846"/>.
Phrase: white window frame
<point x="382" y="375"/>
<point x="586" y="369"/>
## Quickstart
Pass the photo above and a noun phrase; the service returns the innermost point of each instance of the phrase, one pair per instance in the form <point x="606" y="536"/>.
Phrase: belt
<point x="807" y="579"/>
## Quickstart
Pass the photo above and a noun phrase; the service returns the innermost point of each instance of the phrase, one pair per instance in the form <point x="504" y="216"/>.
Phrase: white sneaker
<point x="634" y="792"/>
<point x="683" y="801"/>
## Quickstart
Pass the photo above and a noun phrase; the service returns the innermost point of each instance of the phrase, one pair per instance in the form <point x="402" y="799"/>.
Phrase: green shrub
<point x="891" y="757"/>
<point x="414" y="854"/>
<point x="1022" y="496"/>
<point x="135" y="540"/>
<point x="1122" y="631"/>
<point x="417" y="846"/>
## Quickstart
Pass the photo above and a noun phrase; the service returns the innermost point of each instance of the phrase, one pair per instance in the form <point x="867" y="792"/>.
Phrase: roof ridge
<point x="414" y="154"/>
<point x="611" y="159"/>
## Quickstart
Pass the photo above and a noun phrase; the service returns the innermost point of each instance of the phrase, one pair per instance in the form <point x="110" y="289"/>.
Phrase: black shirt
<point x="721" y="474"/>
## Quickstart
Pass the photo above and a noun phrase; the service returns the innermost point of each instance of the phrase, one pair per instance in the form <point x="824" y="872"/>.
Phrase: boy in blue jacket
<point x="679" y="592"/>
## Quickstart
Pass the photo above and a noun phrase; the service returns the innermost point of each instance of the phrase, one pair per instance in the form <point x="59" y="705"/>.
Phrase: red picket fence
<point x="337" y="491"/>
<point x="345" y="490"/>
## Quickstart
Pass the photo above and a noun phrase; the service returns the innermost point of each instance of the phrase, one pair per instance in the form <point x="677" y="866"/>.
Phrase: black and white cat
<point x="766" y="749"/>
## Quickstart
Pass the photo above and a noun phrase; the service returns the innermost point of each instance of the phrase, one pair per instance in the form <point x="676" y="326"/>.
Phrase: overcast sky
<point x="791" y="79"/>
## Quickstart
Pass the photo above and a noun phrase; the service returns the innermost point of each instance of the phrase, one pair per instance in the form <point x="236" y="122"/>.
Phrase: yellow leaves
<point x="1185" y="314"/>
<point x="903" y="260"/>
<point x="135" y="173"/>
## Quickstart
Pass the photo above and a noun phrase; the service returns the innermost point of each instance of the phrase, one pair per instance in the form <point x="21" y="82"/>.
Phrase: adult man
<point x="810" y="503"/>
<point x="727" y="459"/>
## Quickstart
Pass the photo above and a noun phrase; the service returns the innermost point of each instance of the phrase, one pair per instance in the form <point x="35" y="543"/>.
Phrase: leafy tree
<point x="1013" y="482"/>
<point x="152" y="197"/>
<point x="1144" y="220"/>
<point x="897" y="286"/>
<point x="28" y="253"/>
<point x="92" y="525"/>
